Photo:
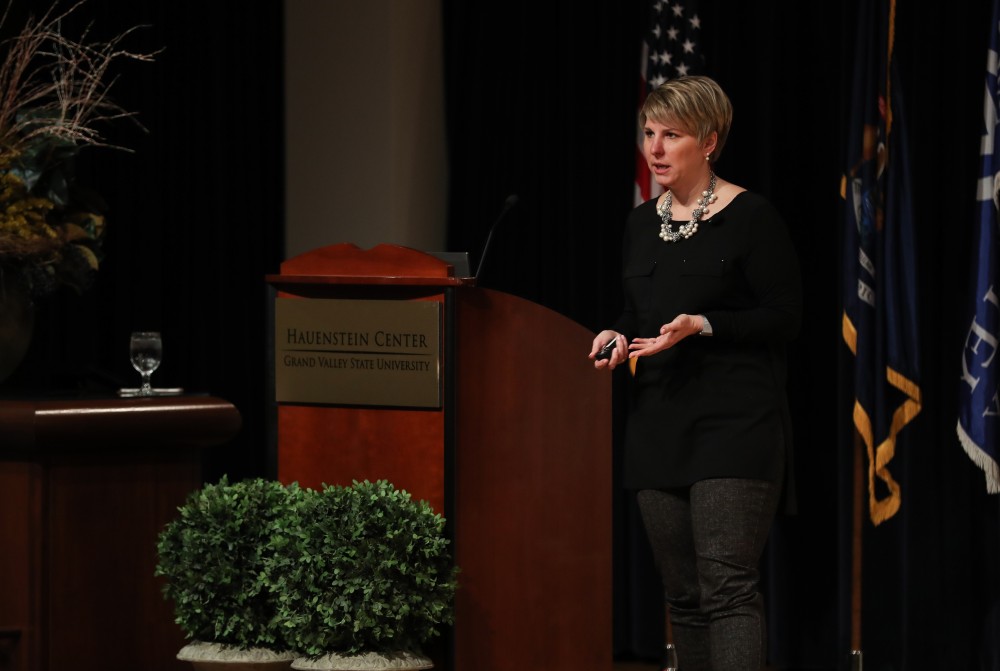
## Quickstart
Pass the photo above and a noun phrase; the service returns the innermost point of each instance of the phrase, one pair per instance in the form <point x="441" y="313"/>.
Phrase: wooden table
<point x="86" y="485"/>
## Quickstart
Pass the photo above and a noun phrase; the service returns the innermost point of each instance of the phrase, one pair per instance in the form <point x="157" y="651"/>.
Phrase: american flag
<point x="671" y="48"/>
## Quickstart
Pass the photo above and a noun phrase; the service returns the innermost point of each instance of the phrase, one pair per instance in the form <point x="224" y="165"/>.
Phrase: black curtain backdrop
<point x="541" y="101"/>
<point x="195" y="213"/>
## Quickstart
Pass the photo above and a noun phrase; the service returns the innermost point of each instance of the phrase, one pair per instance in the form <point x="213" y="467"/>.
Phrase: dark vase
<point x="17" y="323"/>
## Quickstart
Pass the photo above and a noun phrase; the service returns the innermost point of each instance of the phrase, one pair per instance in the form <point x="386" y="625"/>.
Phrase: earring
<point x="708" y="157"/>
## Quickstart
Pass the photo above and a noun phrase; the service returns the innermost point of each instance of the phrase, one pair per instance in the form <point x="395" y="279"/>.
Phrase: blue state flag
<point x="879" y="293"/>
<point x="978" y="403"/>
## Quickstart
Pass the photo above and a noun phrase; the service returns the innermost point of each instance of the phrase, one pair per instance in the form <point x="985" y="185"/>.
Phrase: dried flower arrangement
<point x="54" y="98"/>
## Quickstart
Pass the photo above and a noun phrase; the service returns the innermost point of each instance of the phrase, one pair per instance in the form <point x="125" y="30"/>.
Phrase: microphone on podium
<point x="509" y="203"/>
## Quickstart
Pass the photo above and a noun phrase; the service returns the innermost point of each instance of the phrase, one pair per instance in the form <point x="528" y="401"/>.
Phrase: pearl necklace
<point x="685" y="230"/>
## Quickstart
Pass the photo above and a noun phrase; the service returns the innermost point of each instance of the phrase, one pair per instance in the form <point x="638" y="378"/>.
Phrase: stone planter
<point x="371" y="661"/>
<point x="216" y="657"/>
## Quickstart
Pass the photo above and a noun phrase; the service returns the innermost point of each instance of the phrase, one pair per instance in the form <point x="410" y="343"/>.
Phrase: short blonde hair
<point x="697" y="104"/>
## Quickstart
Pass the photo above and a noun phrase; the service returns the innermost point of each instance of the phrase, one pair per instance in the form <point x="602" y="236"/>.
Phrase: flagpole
<point x="669" y="662"/>
<point x="858" y="526"/>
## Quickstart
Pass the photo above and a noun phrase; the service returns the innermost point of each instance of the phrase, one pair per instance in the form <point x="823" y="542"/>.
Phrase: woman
<point x="712" y="295"/>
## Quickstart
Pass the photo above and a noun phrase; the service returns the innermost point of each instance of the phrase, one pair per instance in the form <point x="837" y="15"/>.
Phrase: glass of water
<point x="146" y="352"/>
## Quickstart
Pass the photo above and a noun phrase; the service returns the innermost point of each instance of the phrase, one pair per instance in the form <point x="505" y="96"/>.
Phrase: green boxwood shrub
<point x="217" y="556"/>
<point x="373" y="573"/>
<point x="258" y="564"/>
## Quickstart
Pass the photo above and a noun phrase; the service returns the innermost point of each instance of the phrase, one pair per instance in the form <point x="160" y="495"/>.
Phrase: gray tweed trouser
<point x="707" y="540"/>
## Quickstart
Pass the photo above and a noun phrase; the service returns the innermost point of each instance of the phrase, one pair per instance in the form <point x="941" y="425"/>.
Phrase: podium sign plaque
<point x="358" y="352"/>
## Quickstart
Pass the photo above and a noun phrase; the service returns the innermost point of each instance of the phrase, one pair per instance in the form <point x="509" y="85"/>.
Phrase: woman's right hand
<point x="618" y="354"/>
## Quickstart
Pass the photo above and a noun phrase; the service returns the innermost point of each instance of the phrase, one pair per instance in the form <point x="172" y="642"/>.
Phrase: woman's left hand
<point x="670" y="334"/>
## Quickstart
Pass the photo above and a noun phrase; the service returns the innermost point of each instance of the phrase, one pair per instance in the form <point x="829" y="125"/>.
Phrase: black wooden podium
<point x="517" y="457"/>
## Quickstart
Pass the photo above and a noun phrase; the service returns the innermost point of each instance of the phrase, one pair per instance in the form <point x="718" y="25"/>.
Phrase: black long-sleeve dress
<point x="711" y="406"/>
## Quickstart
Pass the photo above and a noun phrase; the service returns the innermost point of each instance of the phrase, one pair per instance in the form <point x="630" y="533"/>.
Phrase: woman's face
<point x="675" y="157"/>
